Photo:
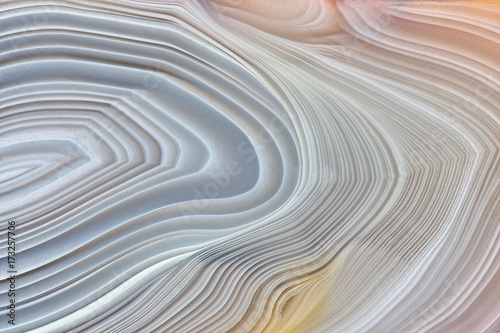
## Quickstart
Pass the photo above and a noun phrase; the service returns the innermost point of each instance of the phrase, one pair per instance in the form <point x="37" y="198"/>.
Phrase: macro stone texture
<point x="250" y="166"/>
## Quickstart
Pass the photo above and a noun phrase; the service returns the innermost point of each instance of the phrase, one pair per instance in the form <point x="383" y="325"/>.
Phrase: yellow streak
<point x="303" y="305"/>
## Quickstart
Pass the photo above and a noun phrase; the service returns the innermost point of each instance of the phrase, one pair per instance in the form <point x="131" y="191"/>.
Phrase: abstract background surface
<point x="251" y="166"/>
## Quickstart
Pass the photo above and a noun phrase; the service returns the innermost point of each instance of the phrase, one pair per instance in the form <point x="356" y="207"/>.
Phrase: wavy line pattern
<point x="260" y="166"/>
